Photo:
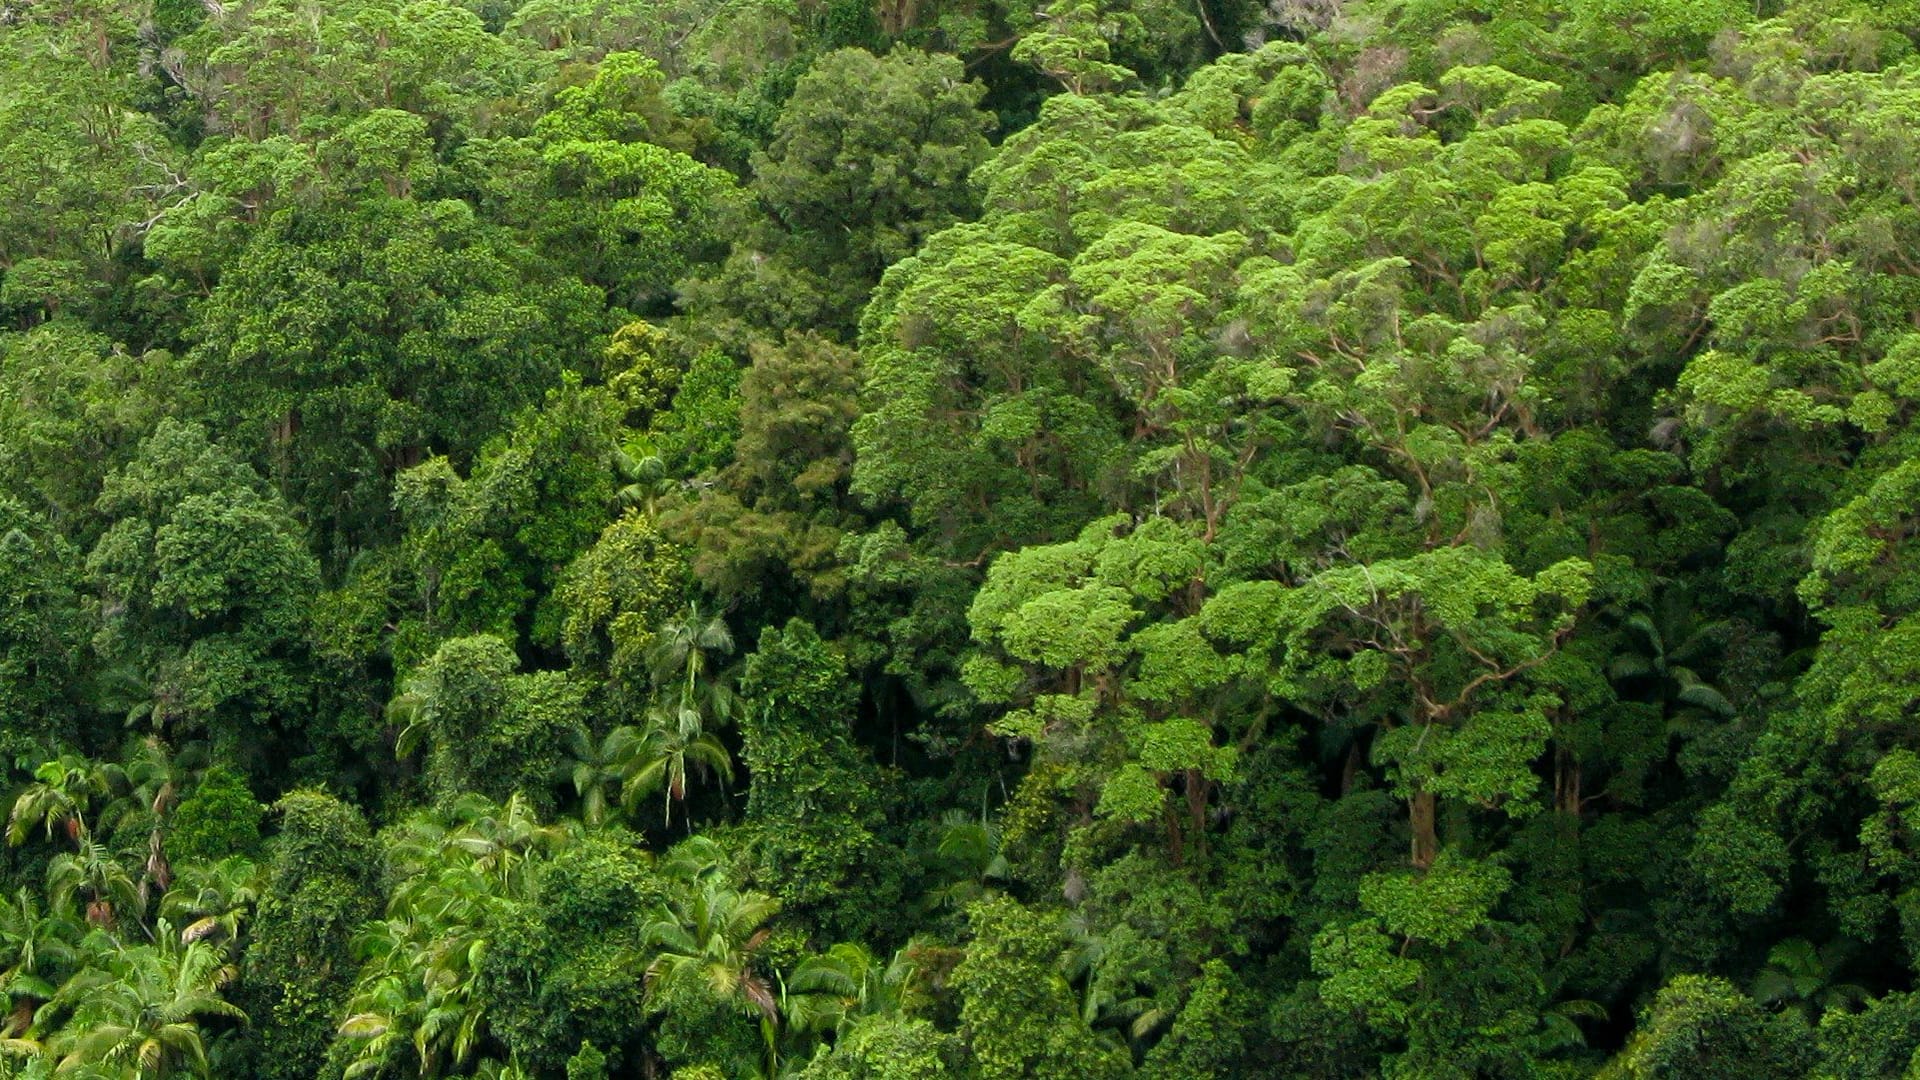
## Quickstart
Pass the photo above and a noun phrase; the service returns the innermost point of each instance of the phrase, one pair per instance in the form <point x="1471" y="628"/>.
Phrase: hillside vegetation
<point x="892" y="539"/>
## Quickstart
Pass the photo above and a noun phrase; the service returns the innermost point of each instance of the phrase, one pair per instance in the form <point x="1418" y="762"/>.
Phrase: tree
<point x="155" y="778"/>
<point x="1072" y="44"/>
<point x="80" y="406"/>
<point x="40" y="955"/>
<point x="597" y="767"/>
<point x="709" y="940"/>
<point x="40" y="628"/>
<point x="486" y="548"/>
<point x="356" y="340"/>
<point x="90" y="879"/>
<point x="707" y="981"/>
<point x="80" y="167"/>
<point x="684" y="662"/>
<point x="614" y="597"/>
<point x="1017" y="1013"/>
<point x="487" y="729"/>
<point x="987" y="435"/>
<point x="1440" y="630"/>
<point x="1705" y="1027"/>
<point x="1799" y="975"/>
<point x="567" y="966"/>
<point x="888" y="1048"/>
<point x="61" y="794"/>
<point x="1053" y="622"/>
<point x="664" y="756"/>
<point x="1396" y="968"/>
<point x="219" y="819"/>
<point x="146" y="1020"/>
<point x="830" y="990"/>
<point x="211" y="901"/>
<point x="780" y="509"/>
<point x="815" y="825"/>
<point x="277" y="68"/>
<point x="420" y="1000"/>
<point x="1878" y="1041"/>
<point x="868" y="157"/>
<point x="617" y="200"/>
<point x="320" y="888"/>
<point x="206" y="577"/>
<point x="972" y="845"/>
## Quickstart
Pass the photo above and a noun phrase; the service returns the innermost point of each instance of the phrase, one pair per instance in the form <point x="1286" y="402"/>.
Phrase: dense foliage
<point x="878" y="540"/>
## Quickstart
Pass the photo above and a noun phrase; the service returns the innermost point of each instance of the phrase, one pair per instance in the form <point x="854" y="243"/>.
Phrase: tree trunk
<point x="1566" y="782"/>
<point x="1176" y="845"/>
<point x="1351" y="770"/>
<point x="1197" y="790"/>
<point x="1421" y="812"/>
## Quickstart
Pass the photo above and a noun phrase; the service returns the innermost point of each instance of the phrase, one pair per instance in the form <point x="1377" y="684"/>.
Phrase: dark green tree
<point x="869" y="157"/>
<point x="322" y="885"/>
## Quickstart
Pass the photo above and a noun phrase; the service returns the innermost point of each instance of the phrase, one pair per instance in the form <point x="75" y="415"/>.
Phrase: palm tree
<point x="691" y="700"/>
<point x="155" y="776"/>
<point x="835" y="991"/>
<point x="211" y="900"/>
<point x="597" y="767"/>
<point x="1799" y="975"/>
<point x="831" y="991"/>
<point x="62" y="792"/>
<point x="502" y="841"/>
<point x="970" y="847"/>
<point x="1673" y="646"/>
<point x="389" y="1000"/>
<point x="419" y="987"/>
<point x="510" y="1069"/>
<point x="476" y="835"/>
<point x="1106" y="1001"/>
<point x="38" y="952"/>
<point x="824" y="991"/>
<point x="645" y="474"/>
<point x="693" y="860"/>
<point x="663" y="759"/>
<point x="141" y="693"/>
<point x="1558" y="1030"/>
<point x="142" y="1021"/>
<point x="710" y="940"/>
<point x="684" y="661"/>
<point x="91" y="876"/>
